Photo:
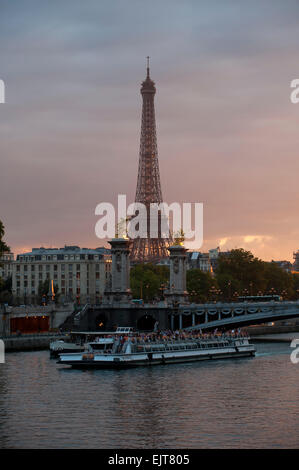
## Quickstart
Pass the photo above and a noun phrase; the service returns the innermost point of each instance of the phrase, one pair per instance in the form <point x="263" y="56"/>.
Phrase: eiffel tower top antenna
<point x="147" y="69"/>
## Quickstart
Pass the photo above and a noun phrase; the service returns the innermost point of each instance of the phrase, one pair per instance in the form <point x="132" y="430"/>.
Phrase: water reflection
<point x="232" y="403"/>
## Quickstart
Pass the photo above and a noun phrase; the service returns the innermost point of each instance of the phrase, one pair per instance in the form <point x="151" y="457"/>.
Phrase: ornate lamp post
<point x="193" y="295"/>
<point x="218" y="292"/>
<point x="284" y="294"/>
<point x="245" y="292"/>
<point x="213" y="292"/>
<point x="229" y="285"/>
<point x="272" y="291"/>
<point x="147" y="288"/>
<point x="161" y="289"/>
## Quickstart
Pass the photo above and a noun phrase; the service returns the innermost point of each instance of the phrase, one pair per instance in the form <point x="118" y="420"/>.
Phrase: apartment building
<point x="6" y="262"/>
<point x="80" y="274"/>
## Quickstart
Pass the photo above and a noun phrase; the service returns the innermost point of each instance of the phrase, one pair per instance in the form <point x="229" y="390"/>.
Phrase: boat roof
<point x="103" y="341"/>
<point x="98" y="333"/>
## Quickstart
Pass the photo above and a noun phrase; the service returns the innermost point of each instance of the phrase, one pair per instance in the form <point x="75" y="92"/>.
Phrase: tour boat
<point x="131" y="351"/>
<point x="76" y="340"/>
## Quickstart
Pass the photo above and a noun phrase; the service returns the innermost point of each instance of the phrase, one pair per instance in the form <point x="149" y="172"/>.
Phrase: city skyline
<point x="226" y="127"/>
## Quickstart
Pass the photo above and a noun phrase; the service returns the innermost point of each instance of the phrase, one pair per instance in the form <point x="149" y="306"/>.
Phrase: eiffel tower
<point x="148" y="189"/>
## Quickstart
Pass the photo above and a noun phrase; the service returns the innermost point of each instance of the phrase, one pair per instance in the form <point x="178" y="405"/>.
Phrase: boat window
<point x="98" y="346"/>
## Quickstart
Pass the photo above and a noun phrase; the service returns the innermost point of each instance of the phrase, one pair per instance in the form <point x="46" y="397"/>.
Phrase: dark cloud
<point x="227" y="132"/>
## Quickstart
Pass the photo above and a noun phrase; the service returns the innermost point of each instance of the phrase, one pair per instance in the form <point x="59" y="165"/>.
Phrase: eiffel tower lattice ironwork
<point x="148" y="189"/>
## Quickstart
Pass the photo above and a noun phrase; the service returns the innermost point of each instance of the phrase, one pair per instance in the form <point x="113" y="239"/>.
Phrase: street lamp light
<point x="162" y="288"/>
<point x="213" y="291"/>
<point x="193" y="295"/>
<point x="284" y="294"/>
<point x="147" y="288"/>
<point x="272" y="291"/>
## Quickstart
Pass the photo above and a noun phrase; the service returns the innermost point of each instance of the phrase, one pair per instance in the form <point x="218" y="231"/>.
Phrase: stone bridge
<point x="204" y="316"/>
<point x="229" y="315"/>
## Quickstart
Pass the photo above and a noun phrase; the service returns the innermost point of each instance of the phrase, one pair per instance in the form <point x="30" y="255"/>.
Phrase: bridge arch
<point x="146" y="322"/>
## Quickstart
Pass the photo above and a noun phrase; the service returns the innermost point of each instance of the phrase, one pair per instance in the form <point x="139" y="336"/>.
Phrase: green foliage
<point x="199" y="284"/>
<point x="295" y="278"/>
<point x="5" y="286"/>
<point x="5" y="291"/>
<point x="147" y="281"/>
<point x="278" y="280"/>
<point x="3" y="246"/>
<point x="239" y="271"/>
<point x="242" y="266"/>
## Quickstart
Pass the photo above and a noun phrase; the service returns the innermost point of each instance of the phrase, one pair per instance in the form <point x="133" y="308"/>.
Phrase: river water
<point x="247" y="403"/>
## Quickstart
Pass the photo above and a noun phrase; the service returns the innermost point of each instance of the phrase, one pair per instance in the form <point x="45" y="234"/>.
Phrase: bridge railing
<point x="80" y="314"/>
<point x="209" y="315"/>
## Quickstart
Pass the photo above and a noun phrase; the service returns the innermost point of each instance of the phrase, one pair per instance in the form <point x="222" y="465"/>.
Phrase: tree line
<point x="238" y="273"/>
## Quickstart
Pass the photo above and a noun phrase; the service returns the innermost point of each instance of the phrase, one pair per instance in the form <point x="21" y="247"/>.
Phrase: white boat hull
<point x="87" y="360"/>
<point x="59" y="347"/>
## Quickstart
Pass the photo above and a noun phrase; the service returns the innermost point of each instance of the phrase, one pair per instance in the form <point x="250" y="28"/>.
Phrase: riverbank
<point x="274" y="329"/>
<point x="273" y="334"/>
<point x="276" y="338"/>
<point x="30" y="342"/>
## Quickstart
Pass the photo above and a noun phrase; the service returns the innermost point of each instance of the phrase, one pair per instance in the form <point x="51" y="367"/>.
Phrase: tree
<point x="147" y="280"/>
<point x="278" y="280"/>
<point x="6" y="291"/>
<point x="243" y="270"/>
<point x="3" y="247"/>
<point x="5" y="286"/>
<point x="199" y="284"/>
<point x="239" y="271"/>
<point x="295" y="278"/>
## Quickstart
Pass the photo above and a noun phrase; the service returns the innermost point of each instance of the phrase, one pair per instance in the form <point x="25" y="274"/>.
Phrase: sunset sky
<point x="228" y="134"/>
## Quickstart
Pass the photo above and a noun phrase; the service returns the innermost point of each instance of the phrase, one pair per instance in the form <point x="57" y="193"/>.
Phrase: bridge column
<point x="181" y="321"/>
<point x="219" y="315"/>
<point x="177" y="280"/>
<point x="172" y="322"/>
<point x="206" y="317"/>
<point x="120" y="287"/>
<point x="193" y="319"/>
